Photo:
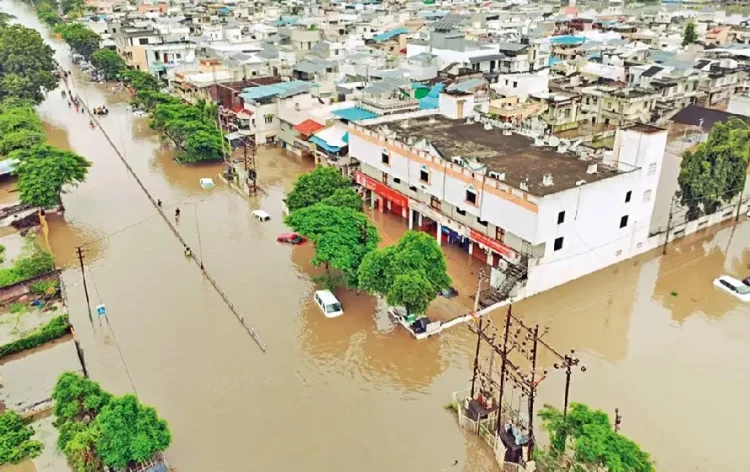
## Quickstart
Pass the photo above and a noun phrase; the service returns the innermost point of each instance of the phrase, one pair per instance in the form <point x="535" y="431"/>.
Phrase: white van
<point x="328" y="303"/>
<point x="261" y="215"/>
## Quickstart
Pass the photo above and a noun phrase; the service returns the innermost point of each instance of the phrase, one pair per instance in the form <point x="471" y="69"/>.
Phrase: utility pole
<point x="249" y="158"/>
<point x="669" y="226"/>
<point x="503" y="368"/>
<point x="79" y="251"/>
<point x="479" y="334"/>
<point x="739" y="209"/>
<point x="532" y="390"/>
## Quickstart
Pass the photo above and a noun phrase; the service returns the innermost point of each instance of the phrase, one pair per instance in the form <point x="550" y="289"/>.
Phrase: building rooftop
<point x="515" y="155"/>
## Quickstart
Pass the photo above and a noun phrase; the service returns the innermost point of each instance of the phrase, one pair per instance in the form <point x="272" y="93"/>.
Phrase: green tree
<point x="47" y="13"/>
<point x="130" y="432"/>
<point x="342" y="238"/>
<point x="344" y="197"/>
<point x="84" y="41"/>
<point x="409" y="274"/>
<point x="149" y="100"/>
<point x="72" y="6"/>
<point x="715" y="173"/>
<point x="593" y="441"/>
<point x="6" y="19"/>
<point x="141" y="81"/>
<point x="81" y="449"/>
<point x="108" y="61"/>
<point x="203" y="145"/>
<point x="20" y="126"/>
<point x="26" y="64"/>
<point x="44" y="170"/>
<point x="689" y="35"/>
<point x="78" y="398"/>
<point x="15" y="439"/>
<point x="313" y="187"/>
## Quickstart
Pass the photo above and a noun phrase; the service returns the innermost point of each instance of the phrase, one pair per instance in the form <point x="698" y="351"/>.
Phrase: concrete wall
<point x="12" y="292"/>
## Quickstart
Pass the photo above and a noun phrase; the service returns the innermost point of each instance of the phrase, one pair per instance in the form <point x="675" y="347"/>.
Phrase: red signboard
<point x="381" y="189"/>
<point x="493" y="244"/>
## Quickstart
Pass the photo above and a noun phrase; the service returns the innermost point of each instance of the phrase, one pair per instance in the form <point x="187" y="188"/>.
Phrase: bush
<point x="56" y="328"/>
<point x="46" y="287"/>
<point x="34" y="261"/>
<point x="15" y="439"/>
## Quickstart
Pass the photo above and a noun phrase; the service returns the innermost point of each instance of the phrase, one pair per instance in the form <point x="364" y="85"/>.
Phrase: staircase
<point x="514" y="274"/>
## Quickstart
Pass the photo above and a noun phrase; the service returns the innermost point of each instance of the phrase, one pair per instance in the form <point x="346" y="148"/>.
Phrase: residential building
<point x="540" y="218"/>
<point x="131" y="43"/>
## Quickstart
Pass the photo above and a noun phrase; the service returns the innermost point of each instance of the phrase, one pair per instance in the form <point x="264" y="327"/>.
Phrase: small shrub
<point x="17" y="308"/>
<point x="15" y="439"/>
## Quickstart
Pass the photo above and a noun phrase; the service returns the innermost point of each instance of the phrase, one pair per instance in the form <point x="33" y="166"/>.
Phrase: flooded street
<point x="350" y="392"/>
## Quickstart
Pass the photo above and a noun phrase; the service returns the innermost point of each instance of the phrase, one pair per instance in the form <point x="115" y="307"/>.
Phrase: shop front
<point x="433" y="222"/>
<point x="491" y="250"/>
<point x="381" y="196"/>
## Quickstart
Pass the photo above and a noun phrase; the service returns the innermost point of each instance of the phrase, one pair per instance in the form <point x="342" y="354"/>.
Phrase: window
<point x="647" y="196"/>
<point x="268" y="119"/>
<point x="424" y="174"/>
<point x="413" y="188"/>
<point x="481" y="221"/>
<point x="471" y="195"/>
<point x="558" y="243"/>
<point x="461" y="212"/>
<point x="618" y="253"/>
<point x="624" y="221"/>
<point x="561" y="218"/>
<point x="396" y="180"/>
<point x="384" y="178"/>
<point x="652" y="168"/>
<point x="178" y="56"/>
<point x="435" y="203"/>
<point x="515" y="84"/>
<point x="628" y="196"/>
<point x="500" y="234"/>
<point x="142" y="41"/>
<point x="385" y="158"/>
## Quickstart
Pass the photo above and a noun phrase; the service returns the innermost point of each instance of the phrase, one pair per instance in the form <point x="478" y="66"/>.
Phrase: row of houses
<point x="531" y="136"/>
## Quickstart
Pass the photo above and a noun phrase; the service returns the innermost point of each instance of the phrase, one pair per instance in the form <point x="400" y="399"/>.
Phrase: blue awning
<point x="324" y="145"/>
<point x="354" y="114"/>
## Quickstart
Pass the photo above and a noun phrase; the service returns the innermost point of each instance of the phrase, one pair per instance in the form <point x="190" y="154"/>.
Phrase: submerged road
<point x="351" y="393"/>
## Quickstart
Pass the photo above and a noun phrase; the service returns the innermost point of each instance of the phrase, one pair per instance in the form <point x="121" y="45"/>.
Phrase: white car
<point x="733" y="287"/>
<point x="328" y="304"/>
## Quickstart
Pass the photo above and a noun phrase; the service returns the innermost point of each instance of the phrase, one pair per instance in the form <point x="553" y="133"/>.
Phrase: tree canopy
<point x="26" y="64"/>
<point x="72" y="6"/>
<point x="44" y="170"/>
<point x="689" y="35"/>
<point x="15" y="439"/>
<point x="313" y="187"/>
<point x="342" y="237"/>
<point x="20" y="127"/>
<point x="108" y="61"/>
<point x="141" y="81"/>
<point x="46" y="11"/>
<point x="715" y="173"/>
<point x="6" y="19"/>
<point x="192" y="128"/>
<point x="593" y="441"/>
<point x="408" y="274"/>
<point x="97" y="429"/>
<point x="84" y="41"/>
<point x="344" y="197"/>
<point x="130" y="432"/>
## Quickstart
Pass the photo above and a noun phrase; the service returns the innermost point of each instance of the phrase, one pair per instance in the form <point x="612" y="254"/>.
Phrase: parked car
<point x="746" y="281"/>
<point x="261" y="215"/>
<point x="448" y="292"/>
<point x="733" y="287"/>
<point x="328" y="303"/>
<point x="291" y="238"/>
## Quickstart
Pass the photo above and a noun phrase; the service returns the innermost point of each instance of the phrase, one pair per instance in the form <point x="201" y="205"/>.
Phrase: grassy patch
<point x="56" y="328"/>
<point x="15" y="439"/>
<point x="33" y="261"/>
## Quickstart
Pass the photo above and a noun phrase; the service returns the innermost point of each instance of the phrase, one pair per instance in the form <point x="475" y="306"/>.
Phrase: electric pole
<point x="79" y="251"/>
<point x="618" y="420"/>
<point x="669" y="225"/>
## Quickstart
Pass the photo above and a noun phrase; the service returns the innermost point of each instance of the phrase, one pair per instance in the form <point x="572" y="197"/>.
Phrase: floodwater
<point x="352" y="392"/>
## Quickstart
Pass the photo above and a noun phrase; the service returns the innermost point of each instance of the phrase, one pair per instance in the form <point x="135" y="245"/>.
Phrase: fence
<point x="177" y="234"/>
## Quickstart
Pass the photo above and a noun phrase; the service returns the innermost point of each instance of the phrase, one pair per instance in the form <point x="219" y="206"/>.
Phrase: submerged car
<point x="291" y="238"/>
<point x="733" y="287"/>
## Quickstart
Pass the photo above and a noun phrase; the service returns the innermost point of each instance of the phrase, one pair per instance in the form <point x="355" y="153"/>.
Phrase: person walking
<point x="177" y="213"/>
<point x="158" y="203"/>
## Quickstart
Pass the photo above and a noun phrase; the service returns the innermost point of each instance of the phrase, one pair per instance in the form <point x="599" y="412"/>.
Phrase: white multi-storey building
<point x="539" y="217"/>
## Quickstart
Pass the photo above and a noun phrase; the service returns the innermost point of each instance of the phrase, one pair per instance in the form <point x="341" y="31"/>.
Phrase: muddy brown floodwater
<point x="354" y="393"/>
